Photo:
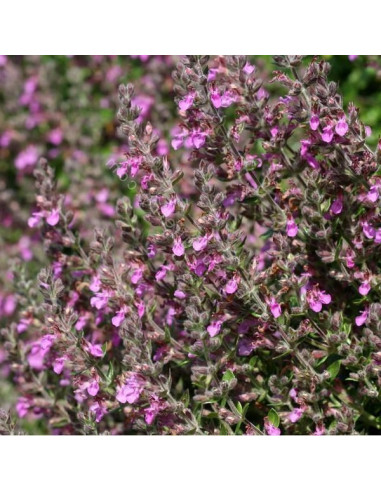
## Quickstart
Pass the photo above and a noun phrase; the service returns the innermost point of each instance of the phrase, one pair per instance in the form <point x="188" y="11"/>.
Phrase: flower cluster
<point x="236" y="289"/>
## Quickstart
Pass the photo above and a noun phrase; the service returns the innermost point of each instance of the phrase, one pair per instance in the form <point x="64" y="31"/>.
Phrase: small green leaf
<point x="239" y="408"/>
<point x="228" y="375"/>
<point x="334" y="369"/>
<point x="274" y="418"/>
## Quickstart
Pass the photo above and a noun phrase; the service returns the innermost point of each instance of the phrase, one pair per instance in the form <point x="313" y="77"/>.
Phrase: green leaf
<point x="228" y="375"/>
<point x="239" y="408"/>
<point x="274" y="418"/>
<point x="267" y="234"/>
<point x="334" y="369"/>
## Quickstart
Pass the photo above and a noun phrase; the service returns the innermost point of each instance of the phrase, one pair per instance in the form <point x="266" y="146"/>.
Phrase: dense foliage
<point x="202" y="254"/>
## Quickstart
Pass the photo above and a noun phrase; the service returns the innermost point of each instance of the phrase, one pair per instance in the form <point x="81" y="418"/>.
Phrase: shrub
<point x="237" y="291"/>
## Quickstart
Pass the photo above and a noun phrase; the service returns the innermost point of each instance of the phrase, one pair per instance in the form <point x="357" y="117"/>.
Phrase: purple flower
<point x="95" y="349"/>
<point x="100" y="300"/>
<point x="291" y="228"/>
<point x="361" y="319"/>
<point x="198" y="139"/>
<point x="248" y="68"/>
<point x="53" y="218"/>
<point x="231" y="286"/>
<point x="151" y="412"/>
<point x="27" y="158"/>
<point x="178" y="247"/>
<point x="180" y="294"/>
<point x="215" y="97"/>
<point x="327" y="134"/>
<point x="131" y="390"/>
<point x="93" y="387"/>
<point x="337" y="206"/>
<point x="275" y="308"/>
<point x="187" y="101"/>
<point x="341" y="127"/>
<point x="364" y="288"/>
<point x="22" y="407"/>
<point x="137" y="275"/>
<point x="141" y="309"/>
<point x="316" y="298"/>
<point x="119" y="317"/>
<point x="200" y="243"/>
<point x="35" y="219"/>
<point x="215" y="327"/>
<point x="58" y="364"/>
<point x="373" y="194"/>
<point x="99" y="410"/>
<point x="168" y="209"/>
<point x="368" y="230"/>
<point x="271" y="430"/>
<point x="295" y="415"/>
<point x="314" y="121"/>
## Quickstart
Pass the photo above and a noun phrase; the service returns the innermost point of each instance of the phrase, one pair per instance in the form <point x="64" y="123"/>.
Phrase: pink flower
<point x="312" y="161"/>
<point x="350" y="256"/>
<point x="22" y="407"/>
<point x="295" y="415"/>
<point x="187" y="101"/>
<point x="131" y="390"/>
<point x="100" y="300"/>
<point x="27" y="158"/>
<point x="93" y="387"/>
<point x="316" y="298"/>
<point x="212" y="74"/>
<point x="23" y="325"/>
<point x="35" y="219"/>
<point x="314" y="121"/>
<point x="271" y="430"/>
<point x="291" y="228"/>
<point x="180" y="294"/>
<point x="200" y="243"/>
<point x="327" y="134"/>
<point x="99" y="410"/>
<point x="54" y="217"/>
<point x="178" y="247"/>
<point x="319" y="430"/>
<point x="364" y="288"/>
<point x="55" y="136"/>
<point x="151" y="412"/>
<point x="137" y="275"/>
<point x="368" y="230"/>
<point x="275" y="308"/>
<point x="168" y="209"/>
<point x="214" y="328"/>
<point x="198" y="139"/>
<point x="360" y="320"/>
<point x="119" y="317"/>
<point x="294" y="394"/>
<point x="216" y="98"/>
<point x="373" y="194"/>
<point x="141" y="309"/>
<point x="231" y="286"/>
<point x="341" y="127"/>
<point x="58" y="364"/>
<point x="95" y="284"/>
<point x="248" y="68"/>
<point x="95" y="349"/>
<point x="162" y="272"/>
